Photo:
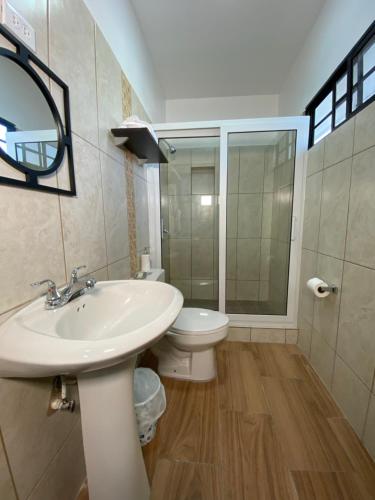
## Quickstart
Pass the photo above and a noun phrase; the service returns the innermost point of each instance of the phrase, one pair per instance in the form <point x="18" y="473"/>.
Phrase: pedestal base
<point x="114" y="461"/>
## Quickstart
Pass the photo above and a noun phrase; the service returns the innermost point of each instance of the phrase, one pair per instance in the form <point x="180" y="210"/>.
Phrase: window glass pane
<point x="354" y="100"/>
<point x="324" y="108"/>
<point x="369" y="87"/>
<point x="369" y="56"/>
<point x="355" y="72"/>
<point x="340" y="113"/>
<point x="3" y="131"/>
<point x="323" y="129"/>
<point x="341" y="87"/>
<point x="3" y="146"/>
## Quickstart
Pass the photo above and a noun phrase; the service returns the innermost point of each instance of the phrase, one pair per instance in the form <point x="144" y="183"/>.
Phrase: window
<point x="350" y="88"/>
<point x="5" y="127"/>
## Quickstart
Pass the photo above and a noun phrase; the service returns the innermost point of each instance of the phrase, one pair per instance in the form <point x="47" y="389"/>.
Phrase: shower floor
<point x="235" y="306"/>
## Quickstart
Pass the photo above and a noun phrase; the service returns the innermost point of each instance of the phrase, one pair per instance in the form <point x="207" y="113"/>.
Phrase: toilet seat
<point x="197" y="321"/>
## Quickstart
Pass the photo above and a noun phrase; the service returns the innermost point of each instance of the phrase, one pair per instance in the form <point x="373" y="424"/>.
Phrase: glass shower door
<point x="259" y="213"/>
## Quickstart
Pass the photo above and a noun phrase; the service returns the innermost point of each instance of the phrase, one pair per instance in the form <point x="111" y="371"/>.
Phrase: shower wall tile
<point x="203" y="157"/>
<point x="265" y="259"/>
<point x="358" y="315"/>
<point x="203" y="180"/>
<point x="264" y="291"/>
<point x="232" y="215"/>
<point x="202" y="257"/>
<point x="267" y="215"/>
<point x="251" y="170"/>
<point x="311" y="217"/>
<point x="364" y="136"/>
<point x="334" y="209"/>
<point x="73" y="59"/>
<point x="184" y="286"/>
<point x="369" y="434"/>
<point x="233" y="169"/>
<point x="339" y="144"/>
<point x="179" y="179"/>
<point x="180" y="157"/>
<point x="249" y="215"/>
<point x="248" y="259"/>
<point x="351" y="395"/>
<point x="180" y="258"/>
<point x="179" y="211"/>
<point x="326" y="311"/>
<point x="247" y="290"/>
<point x="202" y="289"/>
<point x="315" y="158"/>
<point x="230" y="289"/>
<point x="203" y="218"/>
<point x="322" y="357"/>
<point x="231" y="259"/>
<point x="361" y="227"/>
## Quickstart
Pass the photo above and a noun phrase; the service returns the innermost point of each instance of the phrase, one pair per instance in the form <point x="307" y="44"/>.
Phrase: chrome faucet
<point x="75" y="288"/>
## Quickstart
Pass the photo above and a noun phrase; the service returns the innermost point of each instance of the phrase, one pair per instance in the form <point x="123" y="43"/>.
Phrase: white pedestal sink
<point x="96" y="337"/>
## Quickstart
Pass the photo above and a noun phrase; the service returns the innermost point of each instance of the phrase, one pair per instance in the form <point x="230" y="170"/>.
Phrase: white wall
<point x="221" y="108"/>
<point x="338" y="27"/>
<point x="119" y="24"/>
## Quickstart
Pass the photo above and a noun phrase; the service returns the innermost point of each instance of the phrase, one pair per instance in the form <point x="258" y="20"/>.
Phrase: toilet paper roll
<point x="145" y="263"/>
<point x="314" y="285"/>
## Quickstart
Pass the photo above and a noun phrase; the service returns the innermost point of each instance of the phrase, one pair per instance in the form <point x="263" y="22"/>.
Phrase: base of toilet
<point x="195" y="366"/>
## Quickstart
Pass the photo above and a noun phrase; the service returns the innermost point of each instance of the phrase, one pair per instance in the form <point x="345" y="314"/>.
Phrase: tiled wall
<point x="337" y="333"/>
<point x="44" y="235"/>
<point x="190" y="251"/>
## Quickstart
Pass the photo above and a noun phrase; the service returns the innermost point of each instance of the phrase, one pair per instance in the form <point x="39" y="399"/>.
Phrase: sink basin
<point x="96" y="337"/>
<point x="115" y="320"/>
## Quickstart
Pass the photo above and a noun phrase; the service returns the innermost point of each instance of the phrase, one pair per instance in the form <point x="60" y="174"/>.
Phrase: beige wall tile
<point x="251" y="170"/>
<point x="334" y="209"/>
<point x="115" y="208"/>
<point x="351" y="395"/>
<point x="361" y="227"/>
<point x="339" y="144"/>
<point x="232" y="215"/>
<point x="248" y="259"/>
<point x="203" y="180"/>
<point x="322" y="357"/>
<point x="291" y="336"/>
<point x="61" y="480"/>
<point x="356" y="341"/>
<point x="247" y="290"/>
<point x="28" y="217"/>
<point x="202" y="259"/>
<point x="326" y="311"/>
<point x="304" y="336"/>
<point x="25" y="414"/>
<point x="179" y="179"/>
<point x="202" y="289"/>
<point x="83" y="216"/>
<point x="184" y="286"/>
<point x="238" y="334"/>
<point x="179" y="210"/>
<point x="369" y="434"/>
<point x="249" y="215"/>
<point x="268" y="335"/>
<point x="267" y="215"/>
<point x="141" y="213"/>
<point x="264" y="291"/>
<point x="230" y="289"/>
<point x="315" y="158"/>
<point x="203" y="157"/>
<point x="203" y="217"/>
<point x="311" y="217"/>
<point x="119" y="270"/>
<point x="364" y="136"/>
<point x="72" y="57"/>
<point x="109" y="89"/>
<point x="233" y="169"/>
<point x="180" y="259"/>
<point x="6" y="484"/>
<point x="231" y="258"/>
<point x="308" y="270"/>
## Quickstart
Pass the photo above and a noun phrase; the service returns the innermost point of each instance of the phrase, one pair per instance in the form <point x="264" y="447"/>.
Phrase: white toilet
<point x="187" y="350"/>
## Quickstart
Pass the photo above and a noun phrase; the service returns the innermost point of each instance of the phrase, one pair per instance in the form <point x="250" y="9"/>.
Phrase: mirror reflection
<point x="28" y="131"/>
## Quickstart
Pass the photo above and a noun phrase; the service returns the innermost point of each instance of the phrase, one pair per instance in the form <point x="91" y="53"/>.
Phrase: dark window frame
<point x="345" y="67"/>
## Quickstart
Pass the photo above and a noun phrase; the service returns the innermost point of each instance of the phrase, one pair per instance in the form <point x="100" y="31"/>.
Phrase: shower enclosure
<point x="230" y="216"/>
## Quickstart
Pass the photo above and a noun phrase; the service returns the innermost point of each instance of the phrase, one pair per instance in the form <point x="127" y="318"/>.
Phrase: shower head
<point x="171" y="148"/>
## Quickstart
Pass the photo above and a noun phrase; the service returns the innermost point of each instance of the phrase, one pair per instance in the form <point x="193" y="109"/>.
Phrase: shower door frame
<point x="222" y="129"/>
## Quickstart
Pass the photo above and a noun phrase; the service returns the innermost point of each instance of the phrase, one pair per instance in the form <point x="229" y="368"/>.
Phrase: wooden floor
<point x="265" y="429"/>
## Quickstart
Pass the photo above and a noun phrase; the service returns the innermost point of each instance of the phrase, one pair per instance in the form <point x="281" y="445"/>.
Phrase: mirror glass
<point x="28" y="131"/>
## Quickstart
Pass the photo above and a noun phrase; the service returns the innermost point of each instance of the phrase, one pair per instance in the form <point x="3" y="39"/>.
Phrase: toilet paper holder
<point x="329" y="288"/>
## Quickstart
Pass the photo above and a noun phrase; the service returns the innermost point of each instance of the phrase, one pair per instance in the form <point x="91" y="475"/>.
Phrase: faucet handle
<point x="75" y="270"/>
<point x="52" y="293"/>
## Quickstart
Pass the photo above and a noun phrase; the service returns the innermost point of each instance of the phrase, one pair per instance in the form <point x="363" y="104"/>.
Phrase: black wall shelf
<point x="140" y="142"/>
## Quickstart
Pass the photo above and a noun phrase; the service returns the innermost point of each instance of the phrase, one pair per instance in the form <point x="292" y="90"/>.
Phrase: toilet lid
<point x="199" y="320"/>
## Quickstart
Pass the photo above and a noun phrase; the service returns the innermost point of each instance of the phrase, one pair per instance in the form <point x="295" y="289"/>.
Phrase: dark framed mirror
<point x="33" y="137"/>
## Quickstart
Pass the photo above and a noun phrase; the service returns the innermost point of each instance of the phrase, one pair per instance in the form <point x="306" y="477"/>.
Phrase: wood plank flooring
<point x="266" y="429"/>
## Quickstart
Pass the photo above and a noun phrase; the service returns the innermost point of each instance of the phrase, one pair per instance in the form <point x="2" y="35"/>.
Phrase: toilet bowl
<point x="187" y="350"/>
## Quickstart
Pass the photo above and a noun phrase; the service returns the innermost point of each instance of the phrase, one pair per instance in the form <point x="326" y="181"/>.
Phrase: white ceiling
<point x="218" y="48"/>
